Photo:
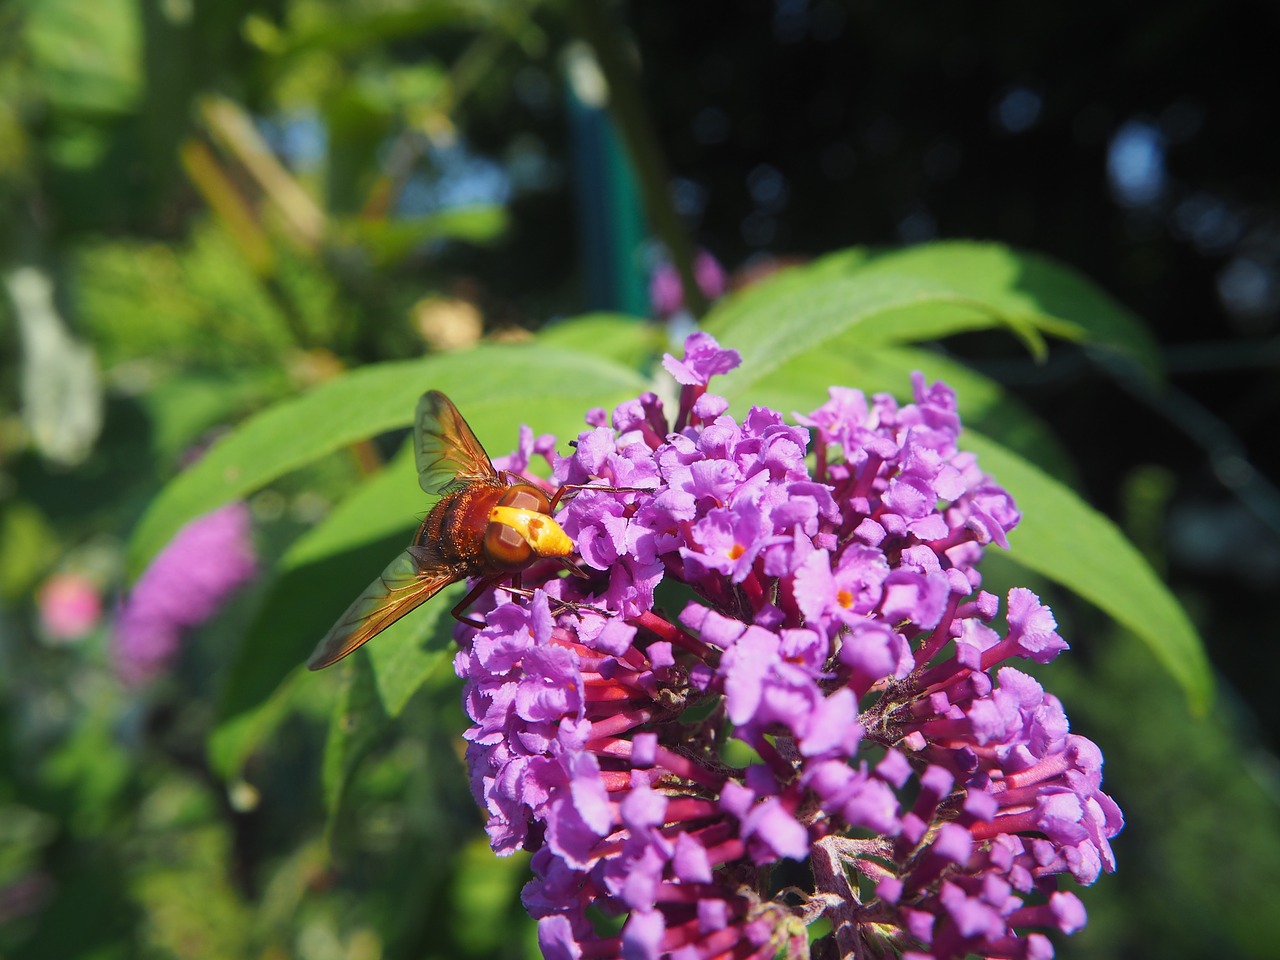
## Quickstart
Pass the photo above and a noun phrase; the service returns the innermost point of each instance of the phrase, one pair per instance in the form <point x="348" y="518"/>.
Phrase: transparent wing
<point x="402" y="587"/>
<point x="446" y="451"/>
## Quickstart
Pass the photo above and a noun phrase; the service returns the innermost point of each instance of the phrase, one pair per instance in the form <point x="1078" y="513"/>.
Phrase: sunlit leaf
<point x="485" y="897"/>
<point x="378" y="682"/>
<point x="350" y="29"/>
<point x="28" y="547"/>
<point x="491" y="384"/>
<point x="772" y="327"/>
<point x="319" y="575"/>
<point x="627" y="340"/>
<point x="86" y="56"/>
<point x="182" y="409"/>
<point x="357" y="722"/>
<point x="405" y="655"/>
<point x="1057" y="298"/>
<point x="921" y="293"/>
<point x="356" y="725"/>
<point x="328" y="567"/>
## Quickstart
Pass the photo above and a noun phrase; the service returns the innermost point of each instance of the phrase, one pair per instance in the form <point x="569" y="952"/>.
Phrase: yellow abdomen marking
<point x="543" y="535"/>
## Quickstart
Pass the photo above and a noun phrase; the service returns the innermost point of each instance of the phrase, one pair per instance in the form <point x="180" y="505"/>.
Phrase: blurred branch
<point x="628" y="110"/>
<point x="212" y="183"/>
<point x="1225" y="453"/>
<point x="234" y="132"/>
<point x="401" y="159"/>
<point x="1217" y="356"/>
<point x="476" y="61"/>
<point x="241" y="221"/>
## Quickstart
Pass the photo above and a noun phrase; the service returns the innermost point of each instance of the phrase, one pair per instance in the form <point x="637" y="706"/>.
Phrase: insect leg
<point x="481" y="585"/>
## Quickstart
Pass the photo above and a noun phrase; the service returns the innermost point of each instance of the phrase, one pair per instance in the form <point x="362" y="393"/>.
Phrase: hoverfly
<point x="486" y="524"/>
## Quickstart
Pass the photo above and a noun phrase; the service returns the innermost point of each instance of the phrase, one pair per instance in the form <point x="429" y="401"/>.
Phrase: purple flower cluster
<point x="206" y="561"/>
<point x="823" y="693"/>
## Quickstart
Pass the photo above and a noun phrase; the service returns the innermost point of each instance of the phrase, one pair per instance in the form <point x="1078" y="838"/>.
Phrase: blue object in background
<point x="606" y="197"/>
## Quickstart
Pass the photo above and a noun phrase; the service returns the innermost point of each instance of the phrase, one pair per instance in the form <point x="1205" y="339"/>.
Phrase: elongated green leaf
<point x="1064" y="539"/>
<point x="381" y="678"/>
<point x="628" y="340"/>
<point x="318" y="576"/>
<point x="772" y="327"/>
<point x="922" y="293"/>
<point x="356" y="29"/>
<point x="85" y="58"/>
<point x="357" y="724"/>
<point x="378" y="683"/>
<point x="490" y="384"/>
<point x="1016" y="282"/>
<point x="405" y="655"/>
<point x="183" y="408"/>
<point x="485" y="899"/>
<point x="235" y="739"/>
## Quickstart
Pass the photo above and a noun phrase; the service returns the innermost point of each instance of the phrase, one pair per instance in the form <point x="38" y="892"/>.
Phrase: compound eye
<point x="506" y="548"/>
<point x="525" y="496"/>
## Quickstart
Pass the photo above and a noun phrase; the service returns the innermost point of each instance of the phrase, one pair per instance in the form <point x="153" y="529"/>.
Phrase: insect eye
<point x="505" y="547"/>
<point x="524" y="496"/>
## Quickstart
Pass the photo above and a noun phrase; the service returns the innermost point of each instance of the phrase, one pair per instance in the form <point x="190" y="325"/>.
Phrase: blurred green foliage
<point x="263" y="221"/>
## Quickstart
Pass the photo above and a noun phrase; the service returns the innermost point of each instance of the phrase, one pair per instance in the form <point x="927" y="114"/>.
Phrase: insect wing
<point x="447" y="453"/>
<point x="403" y="586"/>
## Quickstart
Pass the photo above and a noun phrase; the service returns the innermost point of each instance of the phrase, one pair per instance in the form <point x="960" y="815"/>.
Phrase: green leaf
<point x="1016" y="283"/>
<point x="28" y="547"/>
<point x="866" y="299"/>
<point x="86" y="56"/>
<point x="348" y="31"/>
<point x="770" y="326"/>
<point x="181" y="408"/>
<point x="234" y="740"/>
<point x="1064" y="539"/>
<point x="378" y="682"/>
<point x="405" y="655"/>
<point x="484" y="898"/>
<point x="357" y="724"/>
<point x="492" y="385"/>
<point x="318" y="576"/>
<point x="627" y="340"/>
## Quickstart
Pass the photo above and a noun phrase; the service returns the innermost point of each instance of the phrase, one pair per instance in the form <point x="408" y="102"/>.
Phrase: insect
<point x="486" y="524"/>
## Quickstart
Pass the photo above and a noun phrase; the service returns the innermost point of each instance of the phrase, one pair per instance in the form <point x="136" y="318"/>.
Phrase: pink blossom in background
<point x="70" y="605"/>
<point x="188" y="581"/>
<point x="664" y="286"/>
